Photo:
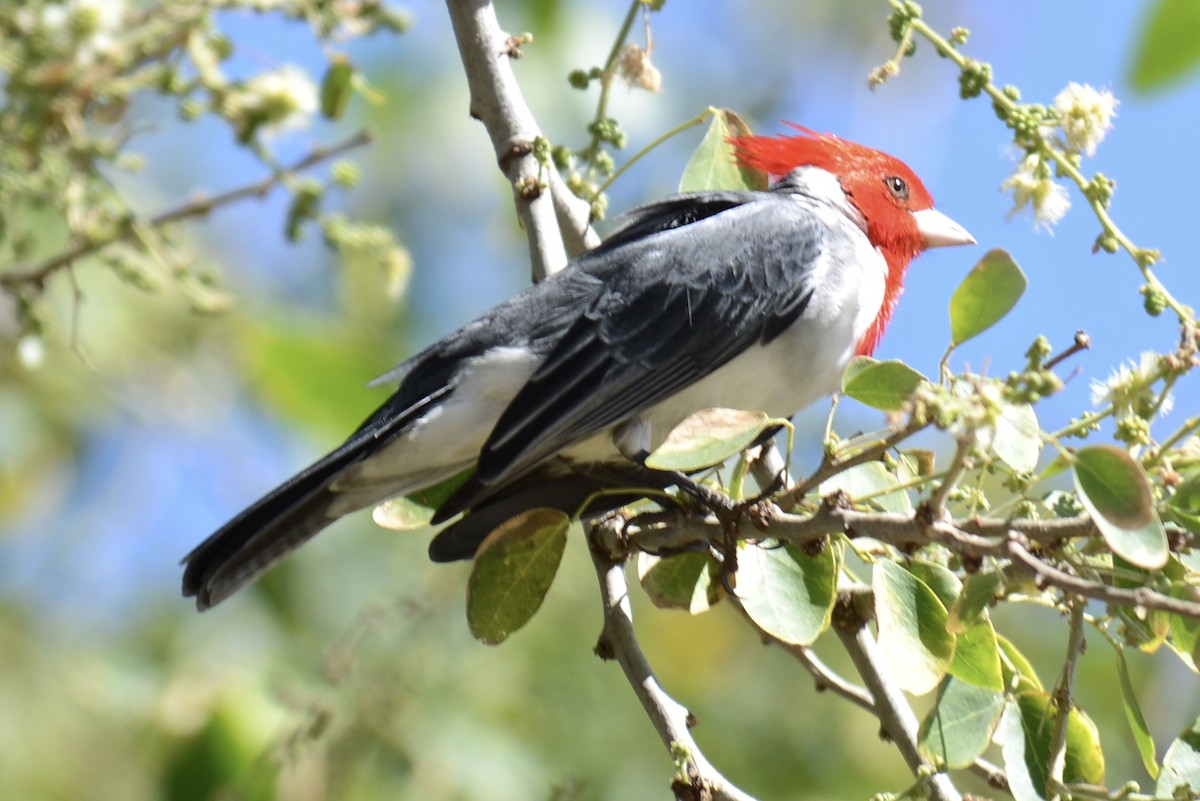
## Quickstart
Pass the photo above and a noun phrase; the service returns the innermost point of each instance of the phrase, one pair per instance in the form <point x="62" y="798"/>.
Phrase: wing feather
<point x="684" y="315"/>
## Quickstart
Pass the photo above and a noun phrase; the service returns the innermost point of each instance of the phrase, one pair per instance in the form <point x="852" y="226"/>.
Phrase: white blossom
<point x="1086" y="116"/>
<point x="1032" y="186"/>
<point x="280" y="99"/>
<point x="1131" y="386"/>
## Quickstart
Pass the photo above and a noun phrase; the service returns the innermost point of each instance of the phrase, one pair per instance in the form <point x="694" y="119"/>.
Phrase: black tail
<point x="275" y="525"/>
<point x="289" y="515"/>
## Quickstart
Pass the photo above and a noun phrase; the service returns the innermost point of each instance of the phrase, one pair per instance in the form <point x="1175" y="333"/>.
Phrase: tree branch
<point x="37" y="275"/>
<point x="496" y="100"/>
<point x="697" y="778"/>
<point x="1138" y="596"/>
<point x="676" y="530"/>
<point x="895" y="715"/>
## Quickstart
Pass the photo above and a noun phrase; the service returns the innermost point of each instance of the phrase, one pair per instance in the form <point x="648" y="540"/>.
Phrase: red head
<point x="895" y="205"/>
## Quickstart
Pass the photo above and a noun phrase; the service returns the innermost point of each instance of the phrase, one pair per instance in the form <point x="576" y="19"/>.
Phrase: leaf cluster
<point x="77" y="74"/>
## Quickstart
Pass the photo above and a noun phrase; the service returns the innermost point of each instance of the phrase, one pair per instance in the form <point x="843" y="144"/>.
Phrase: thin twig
<point x="1082" y="342"/>
<point x="607" y="73"/>
<point x="1064" y="697"/>
<point x="958" y="465"/>
<point x="1144" y="258"/>
<point x="1139" y="596"/>
<point x="824" y="676"/>
<point x="37" y="275"/>
<point x="831" y="466"/>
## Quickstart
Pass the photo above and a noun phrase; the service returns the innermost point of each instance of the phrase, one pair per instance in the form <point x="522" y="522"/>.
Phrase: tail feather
<point x="289" y="515"/>
<point x="275" y="525"/>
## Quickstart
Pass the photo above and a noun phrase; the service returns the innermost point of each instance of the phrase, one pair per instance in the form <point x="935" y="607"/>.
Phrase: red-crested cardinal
<point x="745" y="300"/>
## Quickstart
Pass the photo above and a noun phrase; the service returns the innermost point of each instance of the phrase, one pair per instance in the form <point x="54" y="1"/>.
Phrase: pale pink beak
<point x="940" y="231"/>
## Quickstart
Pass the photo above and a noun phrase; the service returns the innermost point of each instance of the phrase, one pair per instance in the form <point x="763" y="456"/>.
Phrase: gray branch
<point x="496" y="100"/>
<point x="895" y="715"/>
<point x="675" y="531"/>
<point x="696" y="778"/>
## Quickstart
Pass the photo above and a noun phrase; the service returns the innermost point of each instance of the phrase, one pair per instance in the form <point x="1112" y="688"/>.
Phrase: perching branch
<point x="696" y="777"/>
<point x="676" y="531"/>
<point x="37" y="275"/>
<point x="497" y="101"/>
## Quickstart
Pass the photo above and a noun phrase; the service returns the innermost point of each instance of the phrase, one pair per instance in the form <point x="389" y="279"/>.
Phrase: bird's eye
<point x="897" y="186"/>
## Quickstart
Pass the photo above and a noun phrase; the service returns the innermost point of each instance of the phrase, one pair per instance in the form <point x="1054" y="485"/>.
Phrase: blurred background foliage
<point x="131" y="426"/>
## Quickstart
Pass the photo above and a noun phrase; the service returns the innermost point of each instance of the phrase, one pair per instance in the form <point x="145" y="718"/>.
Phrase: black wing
<point x="677" y="304"/>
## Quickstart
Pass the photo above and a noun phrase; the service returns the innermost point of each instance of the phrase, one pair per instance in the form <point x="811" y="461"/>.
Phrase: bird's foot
<point x="715" y="502"/>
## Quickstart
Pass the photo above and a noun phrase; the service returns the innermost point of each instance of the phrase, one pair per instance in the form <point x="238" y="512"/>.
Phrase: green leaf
<point x="1010" y="735"/>
<point x="1017" y="438"/>
<point x="1184" y="631"/>
<point x="912" y="628"/>
<point x="414" y="511"/>
<point x="512" y="572"/>
<point x="1181" y="764"/>
<point x="1185" y="640"/>
<point x="1184" y="505"/>
<point x="989" y="292"/>
<point x="683" y="581"/>
<point x="959" y="728"/>
<point x="708" y="438"/>
<point x="870" y="478"/>
<point x="1084" y="760"/>
<point x="1133" y="714"/>
<point x="337" y="87"/>
<point x="945" y="585"/>
<point x="1168" y="47"/>
<point x="1116" y="493"/>
<point x="714" y="165"/>
<point x="976" y="653"/>
<point x="977" y="595"/>
<point x="881" y="385"/>
<point x="977" y="657"/>
<point x="788" y="593"/>
<point x="1019" y="675"/>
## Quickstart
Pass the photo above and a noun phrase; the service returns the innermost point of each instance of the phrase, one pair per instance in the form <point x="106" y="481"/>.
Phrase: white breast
<point x="802" y="364"/>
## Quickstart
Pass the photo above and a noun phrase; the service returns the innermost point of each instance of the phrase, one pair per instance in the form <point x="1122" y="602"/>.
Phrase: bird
<point x="753" y="300"/>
